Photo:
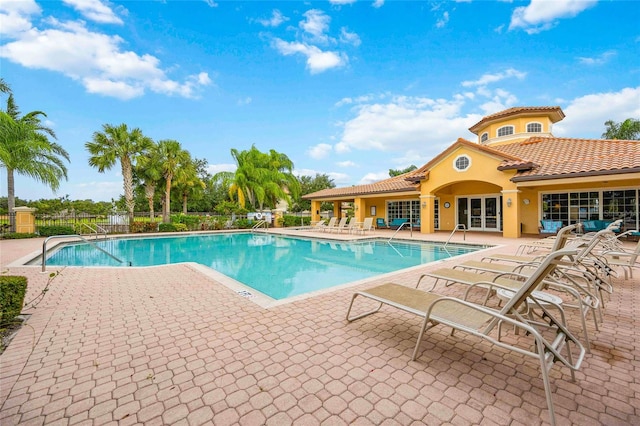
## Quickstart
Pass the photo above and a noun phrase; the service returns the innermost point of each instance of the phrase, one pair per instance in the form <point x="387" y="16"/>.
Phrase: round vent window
<point x="462" y="163"/>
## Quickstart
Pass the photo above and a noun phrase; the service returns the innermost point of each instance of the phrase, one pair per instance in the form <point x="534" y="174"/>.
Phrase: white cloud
<point x="346" y="164"/>
<point x="541" y="15"/>
<point x="341" y="2"/>
<point x="95" y="10"/>
<point x="96" y="60"/>
<point x="316" y="24"/>
<point x="378" y="4"/>
<point x="317" y="60"/>
<point x="405" y="123"/>
<point x="586" y="115"/>
<point x="319" y="151"/>
<point x="373" y="177"/>
<point x="276" y="19"/>
<point x="244" y="101"/>
<point x="493" y="78"/>
<point x="443" y="21"/>
<point x="96" y="191"/>
<point x="15" y="15"/>
<point x="598" y="60"/>
<point x="349" y="38"/>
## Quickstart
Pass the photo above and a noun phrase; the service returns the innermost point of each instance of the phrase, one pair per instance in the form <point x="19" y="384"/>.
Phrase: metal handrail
<point x="44" y="248"/>
<point x="399" y="228"/>
<point x="260" y="224"/>
<point x="95" y="230"/>
<point x="464" y="237"/>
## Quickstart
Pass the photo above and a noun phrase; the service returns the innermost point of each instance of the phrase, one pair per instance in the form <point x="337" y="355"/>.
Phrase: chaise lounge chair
<point x="340" y="226"/>
<point x="365" y="226"/>
<point x="329" y="226"/>
<point x="483" y="322"/>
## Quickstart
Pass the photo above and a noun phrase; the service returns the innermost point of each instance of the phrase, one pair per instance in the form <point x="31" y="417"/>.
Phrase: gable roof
<point x="554" y="113"/>
<point x="423" y="171"/>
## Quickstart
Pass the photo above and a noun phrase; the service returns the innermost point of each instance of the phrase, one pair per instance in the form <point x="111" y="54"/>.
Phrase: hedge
<point x="12" y="291"/>
<point x="47" y="231"/>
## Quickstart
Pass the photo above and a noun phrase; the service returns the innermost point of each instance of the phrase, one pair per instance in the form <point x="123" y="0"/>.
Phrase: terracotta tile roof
<point x="555" y="113"/>
<point x="393" y="184"/>
<point x="552" y="157"/>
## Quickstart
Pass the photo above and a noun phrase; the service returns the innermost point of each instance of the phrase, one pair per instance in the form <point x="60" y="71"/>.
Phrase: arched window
<point x="484" y="137"/>
<point x="505" y="130"/>
<point x="534" y="127"/>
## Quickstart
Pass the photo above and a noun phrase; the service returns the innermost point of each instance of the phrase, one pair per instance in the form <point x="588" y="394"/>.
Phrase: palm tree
<point x="25" y="149"/>
<point x="117" y="143"/>
<point x="260" y="178"/>
<point x="4" y="87"/>
<point x="149" y="170"/>
<point x="172" y="158"/>
<point x="629" y="129"/>
<point x="188" y="181"/>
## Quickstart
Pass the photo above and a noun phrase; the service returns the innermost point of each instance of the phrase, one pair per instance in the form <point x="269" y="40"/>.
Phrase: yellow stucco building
<point x="515" y="175"/>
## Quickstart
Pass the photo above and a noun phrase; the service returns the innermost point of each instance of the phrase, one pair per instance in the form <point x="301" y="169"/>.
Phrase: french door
<point x="480" y="213"/>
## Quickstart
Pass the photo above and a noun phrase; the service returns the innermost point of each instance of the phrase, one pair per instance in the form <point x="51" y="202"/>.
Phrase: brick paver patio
<point x="170" y="345"/>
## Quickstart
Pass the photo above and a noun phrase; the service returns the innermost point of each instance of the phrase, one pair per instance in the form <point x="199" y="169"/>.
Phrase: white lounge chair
<point x="484" y="322"/>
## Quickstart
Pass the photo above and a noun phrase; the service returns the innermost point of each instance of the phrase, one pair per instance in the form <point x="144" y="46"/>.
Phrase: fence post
<point x="25" y="220"/>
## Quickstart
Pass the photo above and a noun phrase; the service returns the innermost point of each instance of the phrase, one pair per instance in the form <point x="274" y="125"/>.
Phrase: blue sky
<point x="345" y="88"/>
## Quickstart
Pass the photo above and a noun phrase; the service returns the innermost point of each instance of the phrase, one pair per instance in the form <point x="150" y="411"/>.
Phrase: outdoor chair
<point x="340" y="226"/>
<point x="365" y="226"/>
<point x="549" y="227"/>
<point x="380" y="223"/>
<point x="329" y="226"/>
<point x="484" y="322"/>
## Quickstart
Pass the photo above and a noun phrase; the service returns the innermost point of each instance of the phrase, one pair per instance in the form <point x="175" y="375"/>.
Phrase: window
<point x="405" y="209"/>
<point x="505" y="130"/>
<point x="484" y="137"/>
<point x="436" y="213"/>
<point x="534" y="127"/>
<point x="575" y="207"/>
<point x="461" y="163"/>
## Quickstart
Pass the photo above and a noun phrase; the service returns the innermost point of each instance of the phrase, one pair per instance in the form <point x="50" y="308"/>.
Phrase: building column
<point x="511" y="212"/>
<point x="427" y="208"/>
<point x="359" y="206"/>
<point x="25" y="220"/>
<point x="315" y="210"/>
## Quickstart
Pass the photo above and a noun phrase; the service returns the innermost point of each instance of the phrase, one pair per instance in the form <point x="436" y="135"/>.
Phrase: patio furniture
<point x="550" y="227"/>
<point x="482" y="321"/>
<point x="380" y="223"/>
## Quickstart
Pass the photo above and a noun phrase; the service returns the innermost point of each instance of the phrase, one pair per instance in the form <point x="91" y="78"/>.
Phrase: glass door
<point x="491" y="214"/>
<point x="475" y="216"/>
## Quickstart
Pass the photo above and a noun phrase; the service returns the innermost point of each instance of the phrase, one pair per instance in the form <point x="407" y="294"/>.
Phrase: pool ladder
<point x="458" y="226"/>
<point x="44" y="248"/>
<point x="260" y="224"/>
<point x="399" y="228"/>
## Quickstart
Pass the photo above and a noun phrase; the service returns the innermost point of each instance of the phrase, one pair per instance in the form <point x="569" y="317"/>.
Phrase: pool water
<point x="278" y="266"/>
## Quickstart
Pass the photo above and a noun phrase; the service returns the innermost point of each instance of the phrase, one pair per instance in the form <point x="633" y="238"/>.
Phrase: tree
<point x="117" y="143"/>
<point x="172" y="158"/>
<point x="25" y="149"/>
<point x="148" y="170"/>
<point x="188" y="181"/>
<point x="260" y="179"/>
<point x="629" y="129"/>
<point x="398" y="172"/>
<point x="308" y="185"/>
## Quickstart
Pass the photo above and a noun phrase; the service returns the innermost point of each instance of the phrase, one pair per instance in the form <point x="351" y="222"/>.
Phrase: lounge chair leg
<point x="353" y="298"/>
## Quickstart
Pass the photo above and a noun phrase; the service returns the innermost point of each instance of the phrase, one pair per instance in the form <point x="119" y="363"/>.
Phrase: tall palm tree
<point x="148" y="170"/>
<point x="117" y="143"/>
<point x="172" y="158"/>
<point x="25" y="149"/>
<point x="4" y="87"/>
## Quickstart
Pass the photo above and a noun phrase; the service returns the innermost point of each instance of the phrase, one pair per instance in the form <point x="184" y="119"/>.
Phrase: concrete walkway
<point x="171" y="345"/>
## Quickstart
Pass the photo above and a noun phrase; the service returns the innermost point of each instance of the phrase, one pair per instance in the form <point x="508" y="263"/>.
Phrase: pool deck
<point x="172" y="345"/>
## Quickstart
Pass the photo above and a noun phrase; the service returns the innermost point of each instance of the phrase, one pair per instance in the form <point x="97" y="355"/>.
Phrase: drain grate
<point x="245" y="293"/>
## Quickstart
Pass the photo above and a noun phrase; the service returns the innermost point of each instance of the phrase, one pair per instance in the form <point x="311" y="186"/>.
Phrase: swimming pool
<point x="278" y="266"/>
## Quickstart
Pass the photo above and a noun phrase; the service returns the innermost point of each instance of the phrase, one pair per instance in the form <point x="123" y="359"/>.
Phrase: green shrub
<point x="136" y="227"/>
<point x="243" y="223"/>
<point x="16" y="236"/>
<point x="192" y="222"/>
<point x="289" y="220"/>
<point x="47" y="231"/>
<point x="12" y="291"/>
<point x="167" y="227"/>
